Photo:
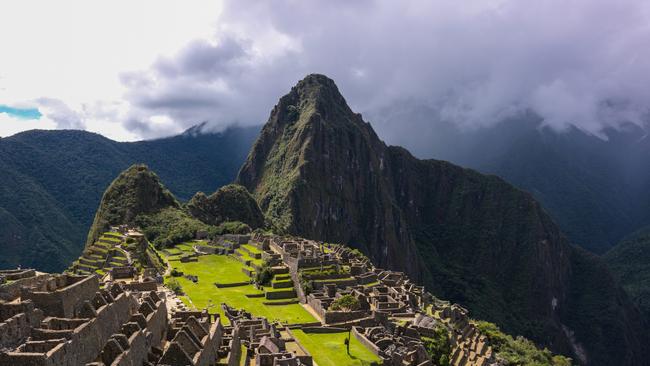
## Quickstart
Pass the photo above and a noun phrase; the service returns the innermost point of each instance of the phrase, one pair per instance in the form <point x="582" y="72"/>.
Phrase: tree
<point x="346" y="303"/>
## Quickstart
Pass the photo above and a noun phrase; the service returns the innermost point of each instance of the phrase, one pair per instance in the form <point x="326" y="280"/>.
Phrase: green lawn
<point x="251" y="248"/>
<point x="328" y="349"/>
<point x="223" y="269"/>
<point x="247" y="257"/>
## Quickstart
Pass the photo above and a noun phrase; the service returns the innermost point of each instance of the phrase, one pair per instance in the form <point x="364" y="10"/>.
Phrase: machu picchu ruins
<point x="116" y="305"/>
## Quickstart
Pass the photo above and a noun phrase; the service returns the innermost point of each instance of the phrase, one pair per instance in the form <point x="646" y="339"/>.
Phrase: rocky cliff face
<point x="135" y="191"/>
<point x="318" y="170"/>
<point x="229" y="203"/>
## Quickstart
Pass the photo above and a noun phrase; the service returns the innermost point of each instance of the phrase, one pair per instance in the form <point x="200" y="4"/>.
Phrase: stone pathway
<point x="312" y="312"/>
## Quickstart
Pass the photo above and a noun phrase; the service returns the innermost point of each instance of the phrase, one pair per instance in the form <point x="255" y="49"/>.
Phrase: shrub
<point x="519" y="351"/>
<point x="265" y="275"/>
<point x="346" y="303"/>
<point x="176" y="273"/>
<point x="306" y="286"/>
<point x="169" y="227"/>
<point x="229" y="227"/>
<point x="439" y="346"/>
<point x="175" y="286"/>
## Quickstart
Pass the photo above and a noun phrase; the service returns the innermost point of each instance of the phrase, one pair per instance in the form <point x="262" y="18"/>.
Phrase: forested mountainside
<point x="137" y="197"/>
<point x="319" y="171"/>
<point x="51" y="183"/>
<point x="595" y="187"/>
<point x="630" y="262"/>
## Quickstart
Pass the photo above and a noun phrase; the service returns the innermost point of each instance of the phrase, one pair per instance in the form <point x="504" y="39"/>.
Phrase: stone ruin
<point x="384" y="297"/>
<point x="70" y="320"/>
<point x="264" y="343"/>
<point x="67" y="320"/>
<point x="396" y="345"/>
<point x="194" y="338"/>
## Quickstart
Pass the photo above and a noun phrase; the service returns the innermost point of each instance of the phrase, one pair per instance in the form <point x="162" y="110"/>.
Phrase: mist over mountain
<point x="595" y="187"/>
<point x="51" y="183"/>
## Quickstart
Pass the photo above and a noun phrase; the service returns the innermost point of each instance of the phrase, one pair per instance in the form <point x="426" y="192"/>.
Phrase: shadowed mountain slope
<point x="318" y="170"/>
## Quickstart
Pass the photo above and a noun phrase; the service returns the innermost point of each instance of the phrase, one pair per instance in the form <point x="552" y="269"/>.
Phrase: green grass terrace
<point x="223" y="269"/>
<point x="328" y="349"/>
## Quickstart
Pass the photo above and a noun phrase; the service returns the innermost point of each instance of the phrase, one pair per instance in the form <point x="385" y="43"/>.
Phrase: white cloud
<point x="74" y="51"/>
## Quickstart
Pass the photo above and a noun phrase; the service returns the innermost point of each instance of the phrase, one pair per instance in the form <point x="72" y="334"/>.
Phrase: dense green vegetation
<point x="630" y="261"/>
<point x="439" y="346"/>
<point x="169" y="226"/>
<point x="229" y="203"/>
<point x="519" y="351"/>
<point x="345" y="303"/>
<point x="264" y="276"/>
<point x="328" y="349"/>
<point x="51" y="183"/>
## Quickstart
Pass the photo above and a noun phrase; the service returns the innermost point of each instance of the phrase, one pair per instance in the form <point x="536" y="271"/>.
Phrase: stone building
<point x="59" y="320"/>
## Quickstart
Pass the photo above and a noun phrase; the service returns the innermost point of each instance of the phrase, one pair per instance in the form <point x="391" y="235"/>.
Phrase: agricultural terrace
<point x="224" y="269"/>
<point x="328" y="349"/>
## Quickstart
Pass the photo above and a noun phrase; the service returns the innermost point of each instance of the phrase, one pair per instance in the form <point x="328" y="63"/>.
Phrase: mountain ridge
<point x="318" y="170"/>
<point x="51" y="183"/>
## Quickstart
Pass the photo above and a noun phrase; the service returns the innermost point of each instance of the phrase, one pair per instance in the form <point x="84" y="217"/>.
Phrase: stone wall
<point x="83" y="344"/>
<point x="366" y="342"/>
<point x="141" y="334"/>
<point x="10" y="291"/>
<point x="17" y="274"/>
<point x="332" y="317"/>
<point x="66" y="301"/>
<point x="141" y="286"/>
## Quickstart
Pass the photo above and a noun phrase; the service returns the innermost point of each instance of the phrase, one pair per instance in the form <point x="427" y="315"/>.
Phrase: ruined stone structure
<point x="194" y="339"/>
<point x="58" y="320"/>
<point x="264" y="343"/>
<point x="322" y="273"/>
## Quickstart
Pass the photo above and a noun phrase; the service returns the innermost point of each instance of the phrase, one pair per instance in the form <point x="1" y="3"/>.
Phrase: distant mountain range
<point x="51" y="183"/>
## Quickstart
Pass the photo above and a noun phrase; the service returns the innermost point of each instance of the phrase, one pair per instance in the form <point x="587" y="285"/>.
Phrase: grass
<point x="223" y="269"/>
<point x="251" y="248"/>
<point x="328" y="349"/>
<point x="245" y="256"/>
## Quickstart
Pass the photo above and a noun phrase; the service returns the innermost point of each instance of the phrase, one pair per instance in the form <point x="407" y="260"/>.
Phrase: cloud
<point x="61" y="114"/>
<point x="471" y="63"/>
<point x="468" y="63"/>
<point x="74" y="51"/>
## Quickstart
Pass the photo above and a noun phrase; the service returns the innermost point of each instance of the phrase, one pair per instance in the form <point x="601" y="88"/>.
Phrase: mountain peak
<point x="315" y="97"/>
<point x="317" y="86"/>
<point x="136" y="190"/>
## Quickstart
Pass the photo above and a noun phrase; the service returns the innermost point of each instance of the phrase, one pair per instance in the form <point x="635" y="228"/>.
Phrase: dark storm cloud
<point x="471" y="63"/>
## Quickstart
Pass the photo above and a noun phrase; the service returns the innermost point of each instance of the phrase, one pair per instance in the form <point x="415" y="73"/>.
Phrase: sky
<point x="145" y="69"/>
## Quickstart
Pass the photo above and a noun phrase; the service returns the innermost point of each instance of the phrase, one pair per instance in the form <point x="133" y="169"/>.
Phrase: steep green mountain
<point x="51" y="183"/>
<point x="318" y="170"/>
<point x="228" y="203"/>
<point x="137" y="197"/>
<point x="135" y="191"/>
<point x="630" y="262"/>
<point x="595" y="187"/>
